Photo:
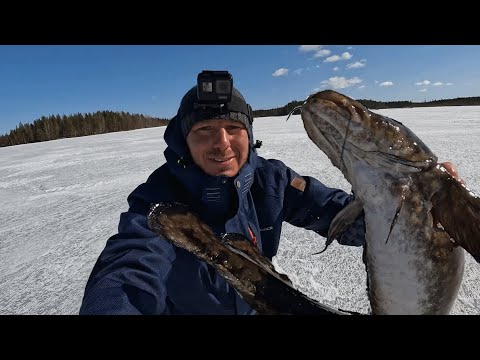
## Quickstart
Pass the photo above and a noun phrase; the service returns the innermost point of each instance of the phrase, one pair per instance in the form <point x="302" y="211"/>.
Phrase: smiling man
<point x="219" y="147"/>
<point x="213" y="167"/>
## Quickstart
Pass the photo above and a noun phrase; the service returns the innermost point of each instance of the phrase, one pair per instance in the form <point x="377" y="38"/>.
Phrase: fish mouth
<point x="323" y="134"/>
<point x="346" y="130"/>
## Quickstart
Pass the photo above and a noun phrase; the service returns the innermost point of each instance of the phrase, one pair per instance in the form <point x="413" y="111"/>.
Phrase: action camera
<point x="214" y="94"/>
<point x="214" y="88"/>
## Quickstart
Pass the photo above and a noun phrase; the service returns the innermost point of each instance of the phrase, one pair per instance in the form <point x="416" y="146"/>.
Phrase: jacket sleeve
<point x="130" y="274"/>
<point x="311" y="205"/>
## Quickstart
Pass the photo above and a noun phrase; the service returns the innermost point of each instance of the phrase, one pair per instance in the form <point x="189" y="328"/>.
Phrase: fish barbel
<point x="418" y="217"/>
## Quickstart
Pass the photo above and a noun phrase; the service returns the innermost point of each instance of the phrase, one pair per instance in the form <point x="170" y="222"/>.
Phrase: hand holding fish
<point x="452" y="169"/>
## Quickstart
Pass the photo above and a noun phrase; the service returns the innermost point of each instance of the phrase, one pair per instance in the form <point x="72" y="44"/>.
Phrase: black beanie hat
<point x="237" y="110"/>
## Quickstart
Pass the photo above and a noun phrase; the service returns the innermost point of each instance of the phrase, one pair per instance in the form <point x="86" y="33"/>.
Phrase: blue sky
<point x="42" y="80"/>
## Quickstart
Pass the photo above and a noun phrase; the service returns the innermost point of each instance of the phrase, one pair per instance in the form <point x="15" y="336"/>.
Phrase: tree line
<point x="56" y="127"/>
<point x="462" y="101"/>
<point x="372" y="104"/>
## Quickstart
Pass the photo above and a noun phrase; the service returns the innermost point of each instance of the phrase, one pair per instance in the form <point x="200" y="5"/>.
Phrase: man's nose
<point x="222" y="139"/>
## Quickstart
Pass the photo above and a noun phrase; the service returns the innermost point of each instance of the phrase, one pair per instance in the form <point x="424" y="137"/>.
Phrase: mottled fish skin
<point x="237" y="260"/>
<point x="418" y="217"/>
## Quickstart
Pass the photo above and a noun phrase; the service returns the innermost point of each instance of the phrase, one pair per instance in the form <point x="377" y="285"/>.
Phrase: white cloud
<point x="350" y="47"/>
<point x="386" y="83"/>
<point x="298" y="71"/>
<point x="424" y="82"/>
<point x="322" y="53"/>
<point x="307" y="48"/>
<point x="423" y="90"/>
<point x="344" y="56"/>
<point x="280" y="72"/>
<point x="336" y="68"/>
<point x="357" y="64"/>
<point x="337" y="82"/>
<point x="362" y="86"/>
<point x="332" y="58"/>
<point x="428" y="82"/>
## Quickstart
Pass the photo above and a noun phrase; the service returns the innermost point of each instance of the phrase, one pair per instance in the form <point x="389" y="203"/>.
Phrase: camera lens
<point x="222" y="87"/>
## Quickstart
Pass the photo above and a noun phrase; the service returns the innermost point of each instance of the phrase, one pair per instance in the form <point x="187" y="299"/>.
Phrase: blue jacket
<point x="140" y="273"/>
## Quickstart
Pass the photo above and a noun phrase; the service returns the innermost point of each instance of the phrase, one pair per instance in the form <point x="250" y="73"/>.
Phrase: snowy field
<point x="61" y="200"/>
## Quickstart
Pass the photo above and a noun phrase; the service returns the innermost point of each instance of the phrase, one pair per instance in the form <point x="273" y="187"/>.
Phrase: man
<point x="212" y="166"/>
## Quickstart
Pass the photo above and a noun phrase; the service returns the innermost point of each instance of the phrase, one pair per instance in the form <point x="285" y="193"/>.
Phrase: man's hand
<point x="452" y="169"/>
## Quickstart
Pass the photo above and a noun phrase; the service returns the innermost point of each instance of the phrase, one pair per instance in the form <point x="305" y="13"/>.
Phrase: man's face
<point x="219" y="147"/>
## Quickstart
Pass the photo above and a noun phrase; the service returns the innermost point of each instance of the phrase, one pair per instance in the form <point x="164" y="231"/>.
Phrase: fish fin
<point x="342" y="221"/>
<point x="345" y="218"/>
<point x="458" y="211"/>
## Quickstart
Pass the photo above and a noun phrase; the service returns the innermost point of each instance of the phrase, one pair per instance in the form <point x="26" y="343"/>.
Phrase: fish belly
<point x="417" y="271"/>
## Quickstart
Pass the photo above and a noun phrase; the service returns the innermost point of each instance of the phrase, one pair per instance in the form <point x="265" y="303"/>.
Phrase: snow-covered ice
<point x="61" y="200"/>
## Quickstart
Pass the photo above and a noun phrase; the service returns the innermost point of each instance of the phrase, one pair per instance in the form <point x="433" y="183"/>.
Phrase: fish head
<point x="347" y="132"/>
